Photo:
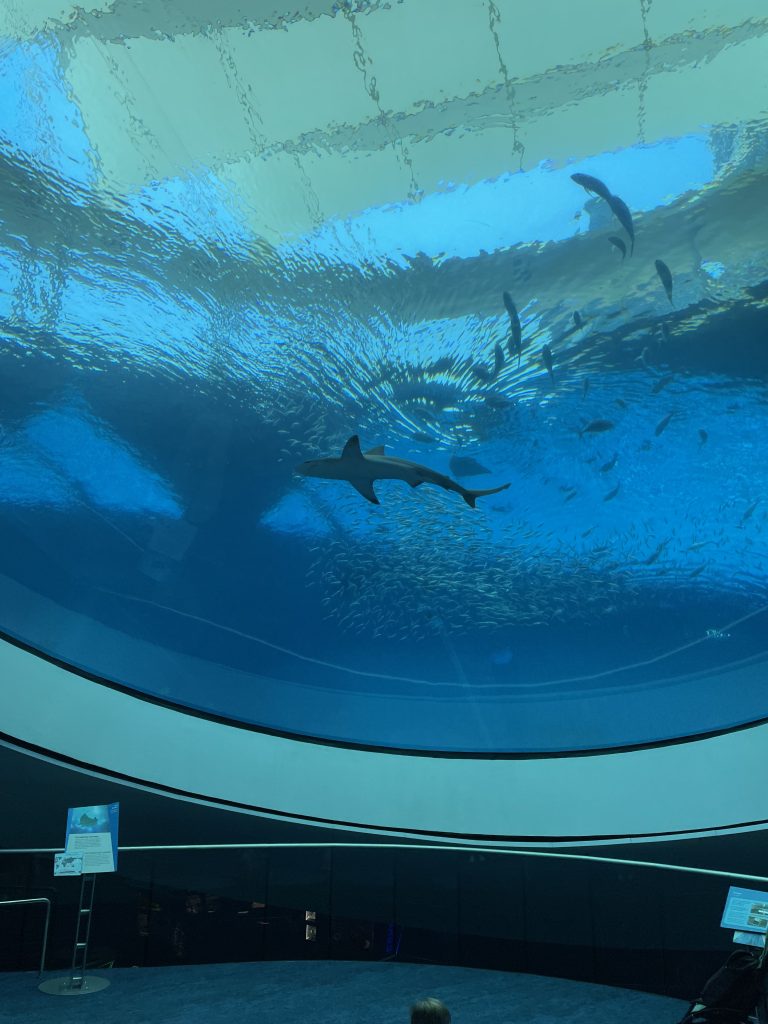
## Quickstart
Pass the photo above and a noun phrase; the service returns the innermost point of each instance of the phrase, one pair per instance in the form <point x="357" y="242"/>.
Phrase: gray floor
<point x="328" y="991"/>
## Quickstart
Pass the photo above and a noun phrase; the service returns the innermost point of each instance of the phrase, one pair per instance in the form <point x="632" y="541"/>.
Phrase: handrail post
<point x="36" y="899"/>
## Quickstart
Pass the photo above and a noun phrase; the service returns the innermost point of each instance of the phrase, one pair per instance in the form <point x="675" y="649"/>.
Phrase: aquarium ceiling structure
<point x="383" y="404"/>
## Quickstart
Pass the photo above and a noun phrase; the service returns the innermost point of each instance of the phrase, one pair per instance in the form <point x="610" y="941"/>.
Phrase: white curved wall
<point x="688" y="787"/>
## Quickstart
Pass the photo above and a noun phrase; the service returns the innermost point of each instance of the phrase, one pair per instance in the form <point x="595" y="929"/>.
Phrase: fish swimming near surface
<point x="750" y="511"/>
<point x="516" y="338"/>
<point x="578" y="322"/>
<point x="612" y="494"/>
<point x="643" y="357"/>
<point x="661" y="383"/>
<point x="363" y="469"/>
<point x="665" y="276"/>
<point x="546" y="355"/>
<point x="585" y="388"/>
<point x="703" y="437"/>
<point x="700" y="544"/>
<point x="594" y="185"/>
<point x="497" y="401"/>
<point x="656" y="554"/>
<point x="662" y="425"/>
<point x="624" y="217"/>
<point x="498" y="359"/>
<point x="620" y="244"/>
<point x="608" y="466"/>
<point x="441" y="365"/>
<point x="419" y="435"/>
<point x="597" y="427"/>
<point x="462" y="465"/>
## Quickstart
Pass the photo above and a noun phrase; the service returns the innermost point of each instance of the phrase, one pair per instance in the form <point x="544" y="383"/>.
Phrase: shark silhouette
<point x="361" y="470"/>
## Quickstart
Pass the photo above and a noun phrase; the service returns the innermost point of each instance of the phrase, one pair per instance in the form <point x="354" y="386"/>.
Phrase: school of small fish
<point x="462" y="573"/>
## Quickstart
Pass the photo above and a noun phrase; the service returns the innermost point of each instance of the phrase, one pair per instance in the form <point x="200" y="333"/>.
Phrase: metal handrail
<point x="37" y="899"/>
<point x="553" y="854"/>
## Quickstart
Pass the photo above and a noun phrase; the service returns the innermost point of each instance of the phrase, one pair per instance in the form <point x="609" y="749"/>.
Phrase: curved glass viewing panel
<point x="234" y="236"/>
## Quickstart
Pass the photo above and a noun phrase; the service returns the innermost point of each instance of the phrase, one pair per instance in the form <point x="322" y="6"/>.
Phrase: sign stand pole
<point x="80" y="951"/>
<point x="77" y="984"/>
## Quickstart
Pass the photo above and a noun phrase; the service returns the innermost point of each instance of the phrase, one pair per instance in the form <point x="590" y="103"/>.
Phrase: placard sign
<point x="67" y="864"/>
<point x="746" y="910"/>
<point x="92" y="835"/>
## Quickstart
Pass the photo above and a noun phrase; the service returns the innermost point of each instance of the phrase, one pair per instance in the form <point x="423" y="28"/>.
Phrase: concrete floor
<point x="336" y="992"/>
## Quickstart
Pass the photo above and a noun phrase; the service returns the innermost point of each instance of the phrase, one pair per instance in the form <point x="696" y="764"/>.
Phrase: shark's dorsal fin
<point x="378" y="450"/>
<point x="365" y="487"/>
<point x="351" y="449"/>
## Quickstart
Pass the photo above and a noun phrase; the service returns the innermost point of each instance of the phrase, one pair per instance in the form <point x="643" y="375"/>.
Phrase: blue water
<point x="164" y="367"/>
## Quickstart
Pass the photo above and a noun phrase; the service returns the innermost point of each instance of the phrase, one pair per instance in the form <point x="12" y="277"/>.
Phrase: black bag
<point x="734" y="992"/>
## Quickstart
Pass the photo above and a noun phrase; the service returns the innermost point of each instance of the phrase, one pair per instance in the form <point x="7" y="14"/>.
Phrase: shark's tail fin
<point x="471" y="496"/>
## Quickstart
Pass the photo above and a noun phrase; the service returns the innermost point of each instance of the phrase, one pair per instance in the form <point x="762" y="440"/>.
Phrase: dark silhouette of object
<point x="734" y="992"/>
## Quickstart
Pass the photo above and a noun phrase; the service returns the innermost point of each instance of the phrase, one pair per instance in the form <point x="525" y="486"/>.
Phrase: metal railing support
<point x="37" y="899"/>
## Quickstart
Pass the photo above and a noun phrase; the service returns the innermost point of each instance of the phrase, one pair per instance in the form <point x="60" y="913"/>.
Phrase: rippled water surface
<point x="227" y="248"/>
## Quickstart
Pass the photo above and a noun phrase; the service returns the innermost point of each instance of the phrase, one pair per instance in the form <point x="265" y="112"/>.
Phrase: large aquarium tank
<point x="395" y="373"/>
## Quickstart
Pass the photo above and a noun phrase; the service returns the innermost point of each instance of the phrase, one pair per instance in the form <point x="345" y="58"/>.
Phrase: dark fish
<point x="612" y="494"/>
<point x="662" y="425"/>
<point x="587" y="532"/>
<point x="597" y="427"/>
<point x="620" y="245"/>
<point x="585" y="388"/>
<point x="594" y="185"/>
<point x="497" y="401"/>
<point x="700" y="544"/>
<point x="621" y="403"/>
<point x="609" y="465"/>
<point x="546" y="355"/>
<point x="577" y="319"/>
<point x="573" y="494"/>
<point x="419" y="435"/>
<point x="698" y="572"/>
<point x="661" y="383"/>
<point x="516" y="339"/>
<point x="665" y="276"/>
<point x="464" y="466"/>
<point x="703" y="437"/>
<point x="624" y="217"/>
<point x="665" y="332"/>
<point x="655" y="556"/>
<point x="498" y="360"/>
<point x="441" y="365"/>
<point x="748" y="514"/>
<point x="482" y="374"/>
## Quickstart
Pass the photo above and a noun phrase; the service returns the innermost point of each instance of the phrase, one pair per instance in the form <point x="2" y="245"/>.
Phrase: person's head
<point x="430" y="1011"/>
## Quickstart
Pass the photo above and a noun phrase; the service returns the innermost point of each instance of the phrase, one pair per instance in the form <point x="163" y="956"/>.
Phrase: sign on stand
<point x="92" y="835"/>
<point x="90" y="848"/>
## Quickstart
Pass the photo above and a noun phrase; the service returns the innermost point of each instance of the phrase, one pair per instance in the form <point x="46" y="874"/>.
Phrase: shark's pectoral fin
<point x="365" y="487"/>
<point x="415" y="483"/>
<point x="378" y="450"/>
<point x="351" y="449"/>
